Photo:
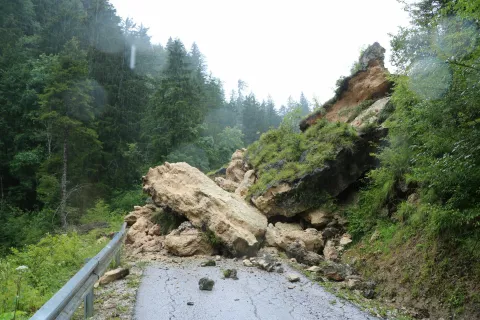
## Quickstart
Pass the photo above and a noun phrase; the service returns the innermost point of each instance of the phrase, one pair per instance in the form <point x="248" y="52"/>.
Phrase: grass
<point x="408" y="261"/>
<point x="284" y="155"/>
<point x="51" y="263"/>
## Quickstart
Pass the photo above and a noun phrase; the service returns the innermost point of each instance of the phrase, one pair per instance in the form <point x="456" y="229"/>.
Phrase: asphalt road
<point x="167" y="287"/>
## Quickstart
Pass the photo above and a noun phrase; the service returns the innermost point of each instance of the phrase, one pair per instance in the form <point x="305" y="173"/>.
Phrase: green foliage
<point x="124" y="201"/>
<point x="433" y="148"/>
<point x="66" y="85"/>
<point x="212" y="238"/>
<point x="285" y="154"/>
<point x="51" y="263"/>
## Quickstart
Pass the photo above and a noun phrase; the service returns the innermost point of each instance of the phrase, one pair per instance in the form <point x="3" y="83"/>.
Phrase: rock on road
<point x="167" y="287"/>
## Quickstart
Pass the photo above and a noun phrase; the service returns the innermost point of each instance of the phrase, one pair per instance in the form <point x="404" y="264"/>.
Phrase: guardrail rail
<point x="80" y="287"/>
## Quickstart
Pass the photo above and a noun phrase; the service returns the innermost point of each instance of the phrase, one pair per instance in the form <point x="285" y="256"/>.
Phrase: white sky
<point x="277" y="47"/>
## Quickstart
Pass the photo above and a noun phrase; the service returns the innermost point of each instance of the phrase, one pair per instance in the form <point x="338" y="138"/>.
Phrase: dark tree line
<point x="88" y="103"/>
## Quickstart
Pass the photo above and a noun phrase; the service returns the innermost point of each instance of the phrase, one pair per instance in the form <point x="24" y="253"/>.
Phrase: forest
<point x="88" y="103"/>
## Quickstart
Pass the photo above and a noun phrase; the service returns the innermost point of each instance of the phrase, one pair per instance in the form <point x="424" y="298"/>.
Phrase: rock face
<point x="334" y="177"/>
<point x="371" y="114"/>
<point x="190" y="193"/>
<point x="373" y="53"/>
<point x="186" y="241"/>
<point x="369" y="83"/>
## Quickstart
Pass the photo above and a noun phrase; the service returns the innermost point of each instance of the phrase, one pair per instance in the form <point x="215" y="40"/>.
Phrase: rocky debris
<point x="282" y="234"/>
<point x="293" y="277"/>
<point x="368" y="293"/>
<point x="113" y="275"/>
<point x="155" y="230"/>
<point x="208" y="263"/>
<point x="334" y="177"/>
<point x="230" y="274"/>
<point x="336" y="271"/>
<point x="206" y="284"/>
<point x="264" y="262"/>
<point x="130" y="219"/>
<point x="227" y="185"/>
<point x="329" y="233"/>
<point x="291" y="287"/>
<point x="318" y="218"/>
<point x="330" y="252"/>
<point x="345" y="240"/>
<point x="146" y="211"/>
<point x="297" y="251"/>
<point x="247" y="182"/>
<point x="247" y="263"/>
<point x="141" y="236"/>
<point x="192" y="194"/>
<point x="186" y="241"/>
<point x="237" y="168"/>
<point x="314" y="269"/>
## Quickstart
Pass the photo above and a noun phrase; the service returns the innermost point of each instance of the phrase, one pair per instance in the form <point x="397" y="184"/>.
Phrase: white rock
<point x="293" y="277"/>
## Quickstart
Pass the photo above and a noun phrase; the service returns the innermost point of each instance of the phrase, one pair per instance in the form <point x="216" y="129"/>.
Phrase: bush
<point x="51" y="262"/>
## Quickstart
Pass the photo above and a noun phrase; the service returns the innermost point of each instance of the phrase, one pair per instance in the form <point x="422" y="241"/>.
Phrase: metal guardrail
<point x="80" y="287"/>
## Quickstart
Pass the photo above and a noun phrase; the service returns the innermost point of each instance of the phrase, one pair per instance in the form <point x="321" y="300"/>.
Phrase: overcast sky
<point x="277" y="47"/>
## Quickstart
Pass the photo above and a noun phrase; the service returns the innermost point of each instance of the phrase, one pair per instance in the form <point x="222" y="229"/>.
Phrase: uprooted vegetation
<point x="283" y="155"/>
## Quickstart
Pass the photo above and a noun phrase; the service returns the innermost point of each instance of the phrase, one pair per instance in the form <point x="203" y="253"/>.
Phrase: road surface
<point x="167" y="287"/>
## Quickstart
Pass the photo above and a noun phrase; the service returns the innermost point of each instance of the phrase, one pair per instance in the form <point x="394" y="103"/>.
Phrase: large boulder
<point x="187" y="191"/>
<point x="186" y="241"/>
<point x="282" y="234"/>
<point x="335" y="176"/>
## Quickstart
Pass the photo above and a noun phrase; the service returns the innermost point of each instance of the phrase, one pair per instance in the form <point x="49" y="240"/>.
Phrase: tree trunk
<point x="63" y="203"/>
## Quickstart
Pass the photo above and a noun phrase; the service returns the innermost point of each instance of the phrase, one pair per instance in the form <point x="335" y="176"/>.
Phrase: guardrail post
<point x="118" y="256"/>
<point x="88" y="302"/>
